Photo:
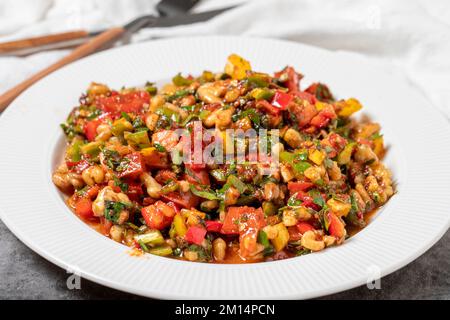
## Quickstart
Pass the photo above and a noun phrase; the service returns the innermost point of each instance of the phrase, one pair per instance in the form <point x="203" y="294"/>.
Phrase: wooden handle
<point x="90" y="47"/>
<point x="41" y="41"/>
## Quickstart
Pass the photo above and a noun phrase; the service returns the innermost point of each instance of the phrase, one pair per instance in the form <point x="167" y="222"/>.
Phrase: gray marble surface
<point x="26" y="275"/>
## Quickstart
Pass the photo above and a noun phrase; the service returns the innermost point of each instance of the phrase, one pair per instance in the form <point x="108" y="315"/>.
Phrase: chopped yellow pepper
<point x="316" y="156"/>
<point x="237" y="67"/>
<point x="320" y="105"/>
<point x="179" y="225"/>
<point x="341" y="209"/>
<point x="282" y="238"/>
<point x="378" y="147"/>
<point x="147" y="152"/>
<point x="348" y="107"/>
<point x="346" y="154"/>
<point x="121" y="125"/>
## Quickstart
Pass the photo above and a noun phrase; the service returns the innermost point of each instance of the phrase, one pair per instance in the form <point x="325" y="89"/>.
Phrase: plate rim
<point x="42" y="252"/>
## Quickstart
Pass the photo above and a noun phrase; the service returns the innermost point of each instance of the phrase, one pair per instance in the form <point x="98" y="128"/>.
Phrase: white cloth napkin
<point x="412" y="35"/>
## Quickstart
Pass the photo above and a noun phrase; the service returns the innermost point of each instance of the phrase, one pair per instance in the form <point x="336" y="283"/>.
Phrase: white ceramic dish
<point x="412" y="221"/>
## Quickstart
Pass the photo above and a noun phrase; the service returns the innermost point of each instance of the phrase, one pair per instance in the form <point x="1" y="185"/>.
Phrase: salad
<point x="135" y="166"/>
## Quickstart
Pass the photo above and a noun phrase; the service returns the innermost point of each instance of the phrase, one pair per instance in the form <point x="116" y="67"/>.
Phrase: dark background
<point x="26" y="275"/>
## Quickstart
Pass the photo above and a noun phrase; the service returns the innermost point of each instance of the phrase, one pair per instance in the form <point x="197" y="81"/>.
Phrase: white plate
<point x="412" y="221"/>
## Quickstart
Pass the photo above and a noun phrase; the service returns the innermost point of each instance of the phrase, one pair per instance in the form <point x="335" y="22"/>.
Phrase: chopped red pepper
<point x="304" y="226"/>
<point x="195" y="235"/>
<point x="195" y="174"/>
<point x="132" y="167"/>
<point x="336" y="227"/>
<point x="213" y="226"/>
<point x="294" y="187"/>
<point x="134" y="191"/>
<point x="281" y="100"/>
<point x="78" y="166"/>
<point x="293" y="78"/>
<point x="184" y="199"/>
<point x="90" y="127"/>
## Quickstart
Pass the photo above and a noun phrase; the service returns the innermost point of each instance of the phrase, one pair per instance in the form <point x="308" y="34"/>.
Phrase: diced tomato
<point x="196" y="176"/>
<point x="301" y="195"/>
<point x="213" y="226"/>
<point x="306" y="96"/>
<point x="320" y="91"/>
<point x="134" y="166"/>
<point x="324" y="117"/>
<point x="175" y="207"/>
<point x="281" y="100"/>
<point x="303" y="113"/>
<point x="336" y="227"/>
<point x="195" y="166"/>
<point x="78" y="166"/>
<point x="148" y="201"/>
<point x="134" y="191"/>
<point x="247" y="242"/>
<point x="304" y="226"/>
<point x="297" y="186"/>
<point x="247" y="216"/>
<point x="336" y="142"/>
<point x="158" y="215"/>
<point x="166" y="138"/>
<point x="163" y="176"/>
<point x="265" y="105"/>
<point x="126" y="102"/>
<point x="293" y="78"/>
<point x="105" y="225"/>
<point x="90" y="127"/>
<point x="294" y="234"/>
<point x="83" y="208"/>
<point x="195" y="234"/>
<point x="308" y="201"/>
<point x="184" y="199"/>
<point x="92" y="192"/>
<point x="156" y="160"/>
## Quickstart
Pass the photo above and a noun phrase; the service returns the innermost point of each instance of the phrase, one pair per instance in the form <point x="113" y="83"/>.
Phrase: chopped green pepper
<point x="179" y="80"/>
<point x="177" y="95"/>
<point x="120" y="126"/>
<point x="259" y="80"/>
<point x="74" y="151"/>
<point x="262" y="94"/>
<point x="170" y="187"/>
<point x="269" y="208"/>
<point x="293" y="159"/>
<point x="91" y="148"/>
<point x="137" y="139"/>
<point x="164" y="250"/>
<point x="238" y="184"/>
<point x="204" y="193"/>
<point x="151" y="237"/>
